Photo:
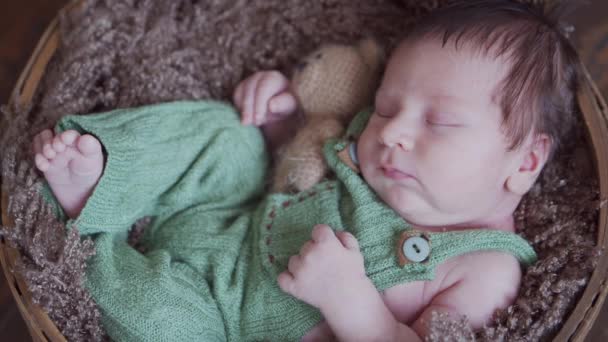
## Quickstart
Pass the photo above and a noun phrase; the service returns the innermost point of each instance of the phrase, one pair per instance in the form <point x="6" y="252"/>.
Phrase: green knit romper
<point x="217" y="242"/>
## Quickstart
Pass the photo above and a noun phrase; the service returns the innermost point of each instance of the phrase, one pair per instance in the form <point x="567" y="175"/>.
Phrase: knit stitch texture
<point x="217" y="243"/>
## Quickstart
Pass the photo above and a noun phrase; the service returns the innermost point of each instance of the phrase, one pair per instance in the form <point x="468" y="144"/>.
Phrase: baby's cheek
<point x="367" y="153"/>
<point x="459" y="180"/>
<point x="448" y="164"/>
<point x="464" y="158"/>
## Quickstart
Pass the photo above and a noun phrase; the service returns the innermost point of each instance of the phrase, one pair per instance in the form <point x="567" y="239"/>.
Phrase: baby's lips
<point x="395" y="174"/>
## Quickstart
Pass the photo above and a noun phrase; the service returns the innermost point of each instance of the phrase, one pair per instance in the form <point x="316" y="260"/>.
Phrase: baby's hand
<point x="264" y="97"/>
<point x="328" y="269"/>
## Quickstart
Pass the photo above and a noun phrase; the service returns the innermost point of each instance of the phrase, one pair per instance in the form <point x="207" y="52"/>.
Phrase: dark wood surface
<point x="23" y="22"/>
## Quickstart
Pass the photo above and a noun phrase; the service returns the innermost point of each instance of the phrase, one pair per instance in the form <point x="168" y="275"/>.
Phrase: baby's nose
<point x="395" y="137"/>
<point x="404" y="144"/>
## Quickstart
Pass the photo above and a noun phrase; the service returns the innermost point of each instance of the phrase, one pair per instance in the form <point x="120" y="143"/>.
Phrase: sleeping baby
<point x="415" y="218"/>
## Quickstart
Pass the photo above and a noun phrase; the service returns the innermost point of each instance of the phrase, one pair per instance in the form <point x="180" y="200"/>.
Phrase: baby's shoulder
<point x="480" y="266"/>
<point x="498" y="270"/>
<point x="479" y="283"/>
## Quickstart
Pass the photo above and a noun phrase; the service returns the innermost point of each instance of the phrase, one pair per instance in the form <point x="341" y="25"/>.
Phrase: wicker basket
<point x="576" y="327"/>
<point x="38" y="322"/>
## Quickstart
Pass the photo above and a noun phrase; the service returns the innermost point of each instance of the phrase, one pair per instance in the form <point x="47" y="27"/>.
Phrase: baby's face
<point x="434" y="150"/>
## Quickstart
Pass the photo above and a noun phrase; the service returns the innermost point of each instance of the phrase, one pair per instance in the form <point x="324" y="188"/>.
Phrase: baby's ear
<point x="535" y="156"/>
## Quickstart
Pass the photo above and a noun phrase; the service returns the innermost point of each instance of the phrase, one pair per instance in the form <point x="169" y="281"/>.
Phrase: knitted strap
<point x="447" y="245"/>
<point x="358" y="123"/>
<point x="444" y="246"/>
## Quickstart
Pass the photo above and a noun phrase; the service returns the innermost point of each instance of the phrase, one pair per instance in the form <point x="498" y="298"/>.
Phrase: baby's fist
<point x="264" y="97"/>
<point x="324" y="267"/>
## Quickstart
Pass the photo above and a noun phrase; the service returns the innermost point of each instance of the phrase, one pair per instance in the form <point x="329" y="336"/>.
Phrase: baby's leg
<point x="72" y="165"/>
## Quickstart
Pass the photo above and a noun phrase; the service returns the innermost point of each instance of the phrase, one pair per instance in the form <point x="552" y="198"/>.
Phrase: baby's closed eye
<point x="383" y="114"/>
<point x="444" y="119"/>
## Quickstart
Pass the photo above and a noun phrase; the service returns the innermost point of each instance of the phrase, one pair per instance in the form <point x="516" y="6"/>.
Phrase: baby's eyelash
<point x="441" y="124"/>
<point x="382" y="115"/>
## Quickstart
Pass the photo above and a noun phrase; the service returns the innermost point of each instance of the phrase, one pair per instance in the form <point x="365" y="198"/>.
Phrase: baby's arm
<point x="362" y="315"/>
<point x="358" y="312"/>
<point x="265" y="100"/>
<point x="328" y="274"/>
<point x="489" y="282"/>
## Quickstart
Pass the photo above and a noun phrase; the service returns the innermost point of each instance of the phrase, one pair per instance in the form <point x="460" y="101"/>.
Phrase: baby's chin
<point x="408" y="202"/>
<point x="422" y="216"/>
<point x="405" y="202"/>
<point x="414" y="209"/>
<point x="426" y="219"/>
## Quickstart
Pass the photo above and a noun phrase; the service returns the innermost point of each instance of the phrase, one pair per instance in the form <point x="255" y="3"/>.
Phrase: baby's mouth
<point x="394" y="173"/>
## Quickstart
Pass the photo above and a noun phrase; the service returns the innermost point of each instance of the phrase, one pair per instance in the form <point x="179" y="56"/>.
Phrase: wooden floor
<point x="22" y="22"/>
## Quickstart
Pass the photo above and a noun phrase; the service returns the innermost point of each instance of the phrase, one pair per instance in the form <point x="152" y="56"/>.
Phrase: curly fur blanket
<point x="125" y="53"/>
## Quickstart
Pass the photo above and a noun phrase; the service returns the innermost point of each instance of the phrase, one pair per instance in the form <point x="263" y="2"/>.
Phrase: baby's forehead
<point x="447" y="71"/>
<point x="454" y="48"/>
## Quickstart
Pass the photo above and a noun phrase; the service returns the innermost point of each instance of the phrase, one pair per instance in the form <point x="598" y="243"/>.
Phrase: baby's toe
<point x="46" y="136"/>
<point x="89" y="145"/>
<point x="41" y="162"/>
<point x="48" y="152"/>
<point x="37" y="144"/>
<point x="58" y="145"/>
<point x="39" y="140"/>
<point x="69" y="137"/>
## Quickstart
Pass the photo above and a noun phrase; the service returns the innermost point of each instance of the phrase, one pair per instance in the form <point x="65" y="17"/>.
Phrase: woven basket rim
<point x="576" y="327"/>
<point x="38" y="322"/>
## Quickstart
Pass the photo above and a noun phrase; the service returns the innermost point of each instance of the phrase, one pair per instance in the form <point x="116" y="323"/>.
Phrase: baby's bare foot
<point x="71" y="163"/>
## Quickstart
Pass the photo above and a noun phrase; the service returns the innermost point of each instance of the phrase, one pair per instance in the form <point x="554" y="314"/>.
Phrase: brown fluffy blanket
<point x="125" y="53"/>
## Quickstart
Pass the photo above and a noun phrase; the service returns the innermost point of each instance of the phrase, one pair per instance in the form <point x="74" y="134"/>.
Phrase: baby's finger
<point x="306" y="248"/>
<point x="283" y="104"/>
<point x="237" y="97"/>
<point x="271" y="83"/>
<point x="322" y="232"/>
<point x="294" y="264"/>
<point x="348" y="240"/>
<point x="249" y="95"/>
<point x="286" y="282"/>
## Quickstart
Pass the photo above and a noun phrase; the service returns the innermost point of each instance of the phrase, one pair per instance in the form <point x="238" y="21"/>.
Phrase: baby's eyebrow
<point x="446" y="98"/>
<point x="389" y="98"/>
<point x="382" y="96"/>
<point x="451" y="100"/>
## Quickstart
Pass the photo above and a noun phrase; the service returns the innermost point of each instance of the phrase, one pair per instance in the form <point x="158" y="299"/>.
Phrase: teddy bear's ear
<point x="373" y="54"/>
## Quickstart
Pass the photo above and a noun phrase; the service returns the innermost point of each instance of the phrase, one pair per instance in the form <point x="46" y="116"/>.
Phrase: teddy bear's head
<point x="336" y="81"/>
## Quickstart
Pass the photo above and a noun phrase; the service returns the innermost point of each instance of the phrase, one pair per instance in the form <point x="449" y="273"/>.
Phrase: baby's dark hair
<point x="538" y="94"/>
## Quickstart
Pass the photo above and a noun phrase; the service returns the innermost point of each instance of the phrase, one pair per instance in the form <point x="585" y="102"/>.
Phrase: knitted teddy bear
<point x="332" y="84"/>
